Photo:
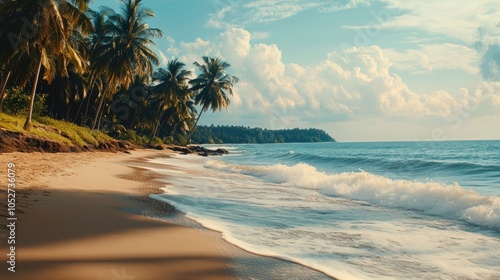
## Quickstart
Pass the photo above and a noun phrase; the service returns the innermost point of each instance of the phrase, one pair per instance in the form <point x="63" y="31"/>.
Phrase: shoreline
<point x="119" y="231"/>
<point x="245" y="260"/>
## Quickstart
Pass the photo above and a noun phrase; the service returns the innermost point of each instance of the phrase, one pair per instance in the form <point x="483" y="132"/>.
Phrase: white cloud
<point x="216" y="20"/>
<point x="434" y="57"/>
<point x="260" y="35"/>
<point x="242" y="14"/>
<point x="237" y="41"/>
<point x="339" y="6"/>
<point x="457" y="19"/>
<point x="163" y="59"/>
<point x="264" y="11"/>
<point x="355" y="83"/>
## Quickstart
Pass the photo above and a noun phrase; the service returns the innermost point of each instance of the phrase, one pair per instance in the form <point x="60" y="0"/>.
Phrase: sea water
<point x="394" y="210"/>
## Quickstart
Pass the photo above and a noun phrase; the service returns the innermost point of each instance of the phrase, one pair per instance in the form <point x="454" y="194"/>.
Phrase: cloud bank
<point x="351" y="84"/>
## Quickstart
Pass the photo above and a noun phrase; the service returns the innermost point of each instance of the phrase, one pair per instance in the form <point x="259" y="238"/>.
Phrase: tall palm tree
<point x="126" y="50"/>
<point x="131" y="108"/>
<point x="185" y="111"/>
<point x="212" y="86"/>
<point x="172" y="93"/>
<point x="2" y="87"/>
<point x="96" y="39"/>
<point x="42" y="29"/>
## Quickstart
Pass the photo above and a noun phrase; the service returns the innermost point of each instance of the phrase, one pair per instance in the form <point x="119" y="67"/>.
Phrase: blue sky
<point x="361" y="70"/>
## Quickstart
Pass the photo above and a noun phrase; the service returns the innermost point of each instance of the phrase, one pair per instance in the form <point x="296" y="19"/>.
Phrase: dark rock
<point x="155" y="147"/>
<point x="222" y="151"/>
<point x="201" y="151"/>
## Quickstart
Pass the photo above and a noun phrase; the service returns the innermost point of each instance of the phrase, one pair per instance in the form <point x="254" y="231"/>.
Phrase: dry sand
<point x="79" y="217"/>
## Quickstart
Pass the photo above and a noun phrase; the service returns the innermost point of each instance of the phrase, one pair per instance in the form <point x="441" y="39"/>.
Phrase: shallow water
<point x="402" y="210"/>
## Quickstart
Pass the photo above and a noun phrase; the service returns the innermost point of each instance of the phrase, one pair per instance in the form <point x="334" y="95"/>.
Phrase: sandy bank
<point x="80" y="216"/>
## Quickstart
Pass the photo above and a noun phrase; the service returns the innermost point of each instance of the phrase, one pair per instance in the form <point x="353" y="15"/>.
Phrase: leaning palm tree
<point x="185" y="112"/>
<point x="41" y="28"/>
<point x="2" y="87"/>
<point x="170" y="89"/>
<point x="125" y="52"/>
<point x="95" y="40"/>
<point x="212" y="86"/>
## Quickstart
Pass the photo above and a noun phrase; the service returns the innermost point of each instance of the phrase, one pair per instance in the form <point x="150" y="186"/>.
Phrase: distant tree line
<point x="240" y="134"/>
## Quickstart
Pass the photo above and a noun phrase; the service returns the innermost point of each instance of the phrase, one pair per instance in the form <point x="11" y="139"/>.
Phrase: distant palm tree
<point x="41" y="28"/>
<point x="131" y="107"/>
<point x="212" y="86"/>
<point x="185" y="112"/>
<point x="172" y="93"/>
<point x="125" y="51"/>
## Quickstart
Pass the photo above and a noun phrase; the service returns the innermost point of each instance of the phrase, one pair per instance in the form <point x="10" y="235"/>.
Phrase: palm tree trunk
<point x="157" y="125"/>
<point x="68" y="111"/>
<point x="94" y="123"/>
<point x="155" y="130"/>
<point x="84" y="118"/>
<point x="75" y="119"/>
<point x="52" y="104"/>
<point x="81" y="105"/>
<point x="27" y="124"/>
<point x="99" y="121"/>
<point x="174" y="129"/>
<point x="194" y="128"/>
<point x="2" y="90"/>
<point x="101" y="103"/>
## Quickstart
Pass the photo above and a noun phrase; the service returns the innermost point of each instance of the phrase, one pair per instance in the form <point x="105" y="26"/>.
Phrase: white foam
<point x="447" y="201"/>
<point x="285" y="214"/>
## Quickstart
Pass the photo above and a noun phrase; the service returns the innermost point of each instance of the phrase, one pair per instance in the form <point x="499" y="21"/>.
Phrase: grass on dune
<point x="56" y="130"/>
<point x="12" y="123"/>
<point x="79" y="135"/>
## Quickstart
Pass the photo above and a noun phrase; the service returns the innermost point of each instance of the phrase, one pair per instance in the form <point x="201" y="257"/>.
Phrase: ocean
<point x="382" y="210"/>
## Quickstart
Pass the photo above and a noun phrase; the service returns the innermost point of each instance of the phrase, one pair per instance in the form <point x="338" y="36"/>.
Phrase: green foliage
<point x="179" y="139"/>
<point x="131" y="135"/>
<point x="239" y="134"/>
<point x="157" y="140"/>
<point x="16" y="102"/>
<point x="12" y="123"/>
<point x="15" y="123"/>
<point x="99" y="136"/>
<point x="78" y="135"/>
<point x="56" y="130"/>
<point x="140" y="104"/>
<point x="51" y="134"/>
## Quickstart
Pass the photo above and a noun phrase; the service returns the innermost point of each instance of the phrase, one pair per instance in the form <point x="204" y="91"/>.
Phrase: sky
<point x="382" y="70"/>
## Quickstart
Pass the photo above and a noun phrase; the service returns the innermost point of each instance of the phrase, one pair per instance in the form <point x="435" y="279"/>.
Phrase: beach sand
<point x="89" y="216"/>
<point x="79" y="217"/>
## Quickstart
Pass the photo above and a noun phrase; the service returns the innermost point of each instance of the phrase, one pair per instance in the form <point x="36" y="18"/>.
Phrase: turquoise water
<point x="395" y="210"/>
<point x="474" y="164"/>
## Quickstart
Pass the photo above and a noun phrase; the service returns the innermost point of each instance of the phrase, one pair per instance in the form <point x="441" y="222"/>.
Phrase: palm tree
<point x="212" y="86"/>
<point x="185" y="111"/>
<point x="172" y="93"/>
<point x="2" y="88"/>
<point x="125" y="51"/>
<point x="42" y="28"/>
<point x="131" y="108"/>
<point x="96" y="39"/>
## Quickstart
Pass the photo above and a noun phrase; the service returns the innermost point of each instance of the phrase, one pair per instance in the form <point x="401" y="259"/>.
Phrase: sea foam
<point x="447" y="201"/>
